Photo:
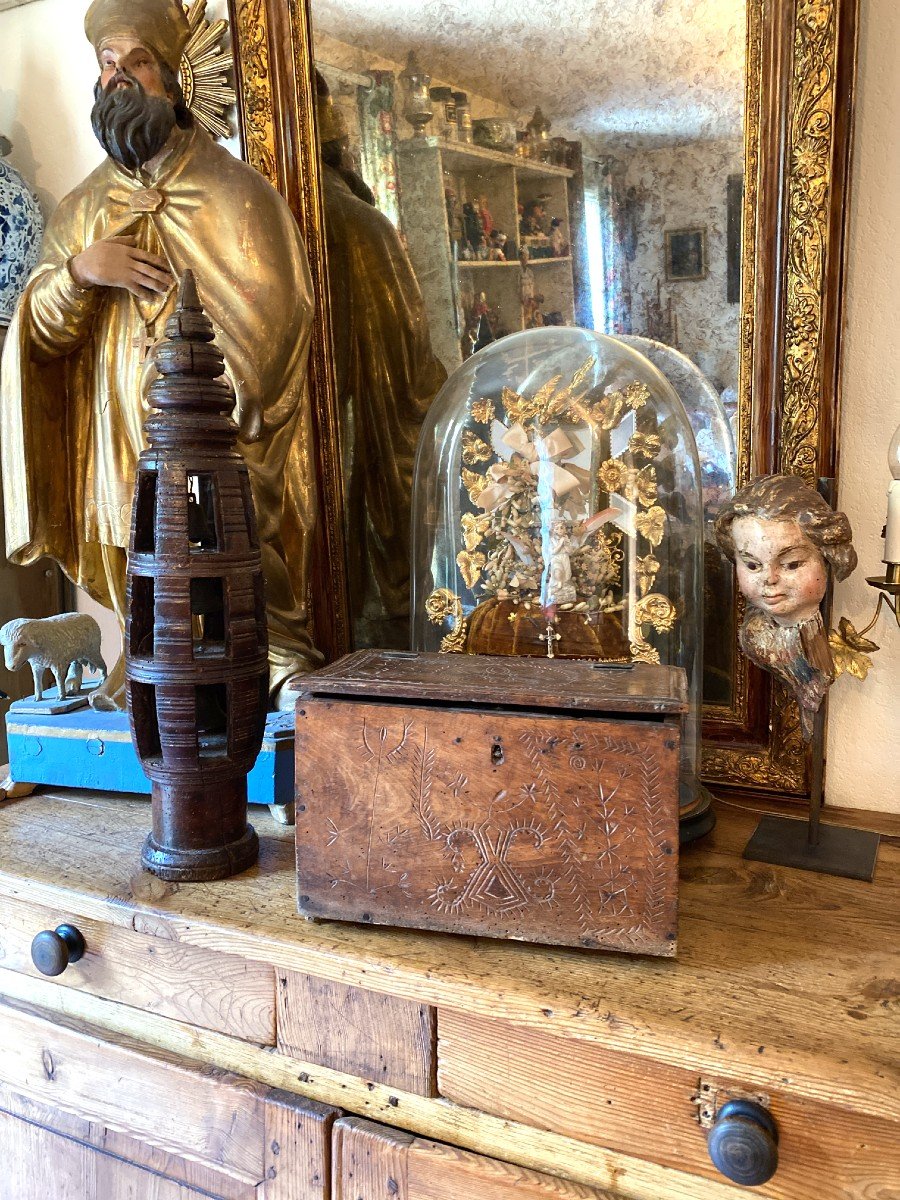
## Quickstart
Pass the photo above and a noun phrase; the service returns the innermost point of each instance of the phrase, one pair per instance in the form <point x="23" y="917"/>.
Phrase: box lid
<point x="514" y="682"/>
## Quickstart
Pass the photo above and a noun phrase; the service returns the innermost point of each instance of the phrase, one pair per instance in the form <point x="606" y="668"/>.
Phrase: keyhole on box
<point x="496" y="754"/>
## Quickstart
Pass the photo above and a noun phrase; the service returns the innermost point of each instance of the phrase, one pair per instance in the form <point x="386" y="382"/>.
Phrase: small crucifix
<point x="550" y="637"/>
<point x="144" y="344"/>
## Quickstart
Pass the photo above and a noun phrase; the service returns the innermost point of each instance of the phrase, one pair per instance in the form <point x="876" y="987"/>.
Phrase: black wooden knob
<point x="743" y="1142"/>
<point x="53" y="949"/>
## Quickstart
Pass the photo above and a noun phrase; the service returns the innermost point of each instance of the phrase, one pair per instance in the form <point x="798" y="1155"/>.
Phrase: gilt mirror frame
<point x="799" y="91"/>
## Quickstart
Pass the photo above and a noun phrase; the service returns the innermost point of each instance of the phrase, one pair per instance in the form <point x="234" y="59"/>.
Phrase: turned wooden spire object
<point x="195" y="637"/>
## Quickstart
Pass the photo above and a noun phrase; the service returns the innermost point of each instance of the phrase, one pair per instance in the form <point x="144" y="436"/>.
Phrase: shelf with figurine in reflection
<point x="557" y="512"/>
<point x="468" y="213"/>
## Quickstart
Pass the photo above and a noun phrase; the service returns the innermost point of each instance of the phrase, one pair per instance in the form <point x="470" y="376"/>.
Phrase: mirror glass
<point x="491" y="168"/>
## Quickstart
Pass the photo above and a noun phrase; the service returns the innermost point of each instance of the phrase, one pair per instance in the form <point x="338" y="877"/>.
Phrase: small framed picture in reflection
<point x="685" y="255"/>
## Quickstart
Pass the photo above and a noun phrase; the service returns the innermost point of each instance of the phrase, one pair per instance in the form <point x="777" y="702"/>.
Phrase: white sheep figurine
<point x="64" y="645"/>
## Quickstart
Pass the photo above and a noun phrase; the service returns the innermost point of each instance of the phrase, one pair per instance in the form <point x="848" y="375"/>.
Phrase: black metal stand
<point x="850" y="853"/>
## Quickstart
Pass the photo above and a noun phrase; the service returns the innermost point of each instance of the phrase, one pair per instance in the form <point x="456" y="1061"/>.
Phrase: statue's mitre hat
<point x="330" y="120"/>
<point x="161" y="25"/>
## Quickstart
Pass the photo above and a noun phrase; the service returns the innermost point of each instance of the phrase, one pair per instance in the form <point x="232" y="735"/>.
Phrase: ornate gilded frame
<point x="801" y="63"/>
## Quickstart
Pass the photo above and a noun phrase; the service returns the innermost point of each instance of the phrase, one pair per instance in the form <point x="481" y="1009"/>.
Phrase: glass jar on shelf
<point x="463" y="117"/>
<point x="445" y="125"/>
<point x="557" y="513"/>
<point x="418" y="109"/>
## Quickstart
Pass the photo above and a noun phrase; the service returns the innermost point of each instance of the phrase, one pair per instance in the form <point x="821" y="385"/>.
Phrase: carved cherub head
<point x="783" y="537"/>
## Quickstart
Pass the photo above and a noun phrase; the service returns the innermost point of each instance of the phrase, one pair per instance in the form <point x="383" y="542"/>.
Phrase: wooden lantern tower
<point x="196" y="644"/>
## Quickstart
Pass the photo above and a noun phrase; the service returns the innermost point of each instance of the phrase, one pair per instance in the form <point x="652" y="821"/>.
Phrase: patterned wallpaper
<point x="685" y="187"/>
<point x="607" y="71"/>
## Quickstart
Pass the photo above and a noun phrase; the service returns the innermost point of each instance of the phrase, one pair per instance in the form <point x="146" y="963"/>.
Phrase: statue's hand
<point x="118" y="262"/>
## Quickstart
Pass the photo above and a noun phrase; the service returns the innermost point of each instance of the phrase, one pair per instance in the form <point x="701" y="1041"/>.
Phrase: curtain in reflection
<point x="378" y="150"/>
<point x="605" y="178"/>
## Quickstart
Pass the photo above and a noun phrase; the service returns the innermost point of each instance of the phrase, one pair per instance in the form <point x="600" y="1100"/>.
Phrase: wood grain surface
<point x="799" y="963"/>
<point x="151" y="971"/>
<point x="95" y="1137"/>
<point x="368" y="1161"/>
<point x="297" y="1150"/>
<point x="525" y="1145"/>
<point x="39" y="1164"/>
<point x="625" y="1103"/>
<point x="505" y="682"/>
<point x="199" y="1125"/>
<point x="206" y="1116"/>
<point x="372" y="1162"/>
<point x="528" y="826"/>
<point x="359" y="1032"/>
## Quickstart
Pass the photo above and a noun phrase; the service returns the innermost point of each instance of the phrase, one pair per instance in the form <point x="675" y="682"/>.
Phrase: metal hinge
<point x="712" y="1094"/>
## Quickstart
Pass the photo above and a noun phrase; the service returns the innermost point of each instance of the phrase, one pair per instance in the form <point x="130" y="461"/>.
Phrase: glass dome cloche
<point x="557" y="513"/>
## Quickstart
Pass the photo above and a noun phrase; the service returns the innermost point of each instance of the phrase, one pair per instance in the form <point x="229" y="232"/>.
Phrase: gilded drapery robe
<point x="387" y="377"/>
<point x="76" y="370"/>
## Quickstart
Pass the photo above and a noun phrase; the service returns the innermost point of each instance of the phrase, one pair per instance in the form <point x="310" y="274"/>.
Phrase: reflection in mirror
<point x="491" y="168"/>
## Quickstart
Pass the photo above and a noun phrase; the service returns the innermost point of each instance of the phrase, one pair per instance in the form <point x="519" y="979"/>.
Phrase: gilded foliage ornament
<point x="441" y="605"/>
<point x="647" y="569"/>
<point x="252" y="42"/>
<point x="652" y="525"/>
<point x="517" y="407"/>
<point x="850" y="650"/>
<point x="640" y="486"/>
<point x="656" y="610"/>
<point x="636" y="395"/>
<point x="644" y="445"/>
<point x="474" y="449"/>
<point x="474" y="529"/>
<point x="606" y="412"/>
<point x="642" y="651"/>
<point x="483" y="411"/>
<point x="474" y="484"/>
<point x="470" y="565"/>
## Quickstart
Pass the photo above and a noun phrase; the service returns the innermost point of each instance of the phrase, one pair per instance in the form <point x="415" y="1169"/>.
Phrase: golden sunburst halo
<point x="204" y="69"/>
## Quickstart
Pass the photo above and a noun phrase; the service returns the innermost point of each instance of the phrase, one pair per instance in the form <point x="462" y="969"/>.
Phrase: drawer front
<point x="534" y="827"/>
<point x="38" y="1163"/>
<point x="152" y="1108"/>
<point x="657" y="1112"/>
<point x="367" y="1034"/>
<point x="372" y="1162"/>
<point x="151" y="971"/>
<point x="42" y="1146"/>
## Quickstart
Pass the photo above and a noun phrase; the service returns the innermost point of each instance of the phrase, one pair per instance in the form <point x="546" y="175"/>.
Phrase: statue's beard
<point x="130" y="125"/>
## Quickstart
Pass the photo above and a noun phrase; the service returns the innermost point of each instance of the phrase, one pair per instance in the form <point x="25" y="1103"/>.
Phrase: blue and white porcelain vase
<point x="21" y="230"/>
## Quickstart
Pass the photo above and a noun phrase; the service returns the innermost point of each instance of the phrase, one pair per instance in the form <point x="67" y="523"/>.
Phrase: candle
<point x="892" y="531"/>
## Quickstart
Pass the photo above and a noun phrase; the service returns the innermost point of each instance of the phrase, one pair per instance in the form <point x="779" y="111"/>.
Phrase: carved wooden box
<point x="500" y="797"/>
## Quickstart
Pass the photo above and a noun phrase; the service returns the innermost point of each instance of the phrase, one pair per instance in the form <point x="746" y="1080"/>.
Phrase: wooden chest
<point x="507" y="798"/>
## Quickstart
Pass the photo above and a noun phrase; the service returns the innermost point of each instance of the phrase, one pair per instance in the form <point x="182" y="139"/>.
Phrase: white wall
<point x="864" y="719"/>
<point x="47" y="71"/>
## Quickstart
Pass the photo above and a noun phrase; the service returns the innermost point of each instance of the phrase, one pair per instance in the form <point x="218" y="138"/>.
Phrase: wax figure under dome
<point x="76" y="366"/>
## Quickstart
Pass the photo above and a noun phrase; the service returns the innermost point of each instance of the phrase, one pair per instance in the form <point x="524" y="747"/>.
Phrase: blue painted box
<point x="93" y="750"/>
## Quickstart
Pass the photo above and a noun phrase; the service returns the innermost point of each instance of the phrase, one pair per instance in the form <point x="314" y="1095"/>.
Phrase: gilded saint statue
<point x="387" y="376"/>
<point x="77" y="362"/>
